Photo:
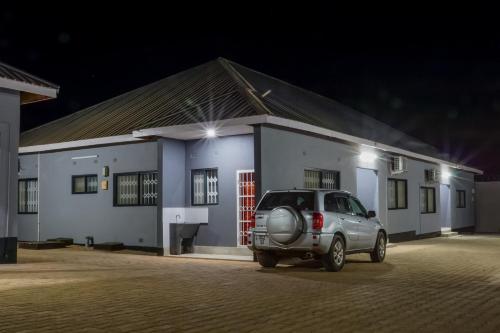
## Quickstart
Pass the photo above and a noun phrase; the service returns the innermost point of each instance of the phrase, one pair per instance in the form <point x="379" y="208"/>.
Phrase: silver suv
<point x="321" y="224"/>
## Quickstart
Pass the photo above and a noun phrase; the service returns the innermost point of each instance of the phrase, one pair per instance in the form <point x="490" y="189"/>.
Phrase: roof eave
<point x="36" y="92"/>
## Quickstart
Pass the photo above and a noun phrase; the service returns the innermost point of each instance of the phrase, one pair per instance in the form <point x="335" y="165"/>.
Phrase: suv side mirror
<point x="371" y="213"/>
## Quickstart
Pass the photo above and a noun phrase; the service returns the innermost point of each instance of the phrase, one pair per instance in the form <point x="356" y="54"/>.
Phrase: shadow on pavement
<point x="355" y="270"/>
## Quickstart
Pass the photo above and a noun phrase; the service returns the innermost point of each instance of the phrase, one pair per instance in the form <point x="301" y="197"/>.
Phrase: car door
<point x="366" y="228"/>
<point x="339" y="205"/>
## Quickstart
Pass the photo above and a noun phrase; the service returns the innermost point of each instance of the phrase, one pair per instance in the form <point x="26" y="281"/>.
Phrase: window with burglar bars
<point x="28" y="196"/>
<point x="246" y="204"/>
<point x="84" y="184"/>
<point x="204" y="187"/>
<point x="136" y="189"/>
<point x="322" y="179"/>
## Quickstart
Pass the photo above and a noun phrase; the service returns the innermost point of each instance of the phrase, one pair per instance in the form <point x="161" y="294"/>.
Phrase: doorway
<point x="245" y="191"/>
<point x="367" y="188"/>
<point x="445" y="200"/>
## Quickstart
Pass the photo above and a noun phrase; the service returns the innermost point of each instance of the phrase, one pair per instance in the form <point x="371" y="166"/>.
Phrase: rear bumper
<point x="317" y="243"/>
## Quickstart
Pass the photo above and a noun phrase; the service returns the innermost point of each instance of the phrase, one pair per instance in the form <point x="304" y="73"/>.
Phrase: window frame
<point x="73" y="177"/>
<point x="139" y="189"/>
<point x="321" y="172"/>
<point x="205" y="197"/>
<point x="427" y="188"/>
<point x="396" y="180"/>
<point x="26" y="180"/>
<point x="459" y="205"/>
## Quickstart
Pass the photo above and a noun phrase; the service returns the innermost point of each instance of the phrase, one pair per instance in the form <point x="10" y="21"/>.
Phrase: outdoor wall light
<point x="367" y="156"/>
<point x="446" y="175"/>
<point x="211" y="133"/>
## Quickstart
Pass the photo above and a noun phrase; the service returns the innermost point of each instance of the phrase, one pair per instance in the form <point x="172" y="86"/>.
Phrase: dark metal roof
<point x="217" y="90"/>
<point x="15" y="74"/>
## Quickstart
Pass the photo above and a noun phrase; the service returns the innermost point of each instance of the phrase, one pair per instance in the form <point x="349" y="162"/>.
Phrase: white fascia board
<point x="28" y="87"/>
<point x="338" y="135"/>
<point x="234" y="126"/>
<point x="78" y="144"/>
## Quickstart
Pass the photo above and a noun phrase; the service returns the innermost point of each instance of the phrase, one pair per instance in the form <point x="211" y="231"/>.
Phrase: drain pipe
<point x="38" y="199"/>
<point x="7" y="220"/>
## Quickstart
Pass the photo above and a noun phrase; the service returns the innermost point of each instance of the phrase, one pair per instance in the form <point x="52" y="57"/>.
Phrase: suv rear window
<point x="297" y="200"/>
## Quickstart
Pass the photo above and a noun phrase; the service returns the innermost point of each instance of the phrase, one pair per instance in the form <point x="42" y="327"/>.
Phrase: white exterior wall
<point x="285" y="155"/>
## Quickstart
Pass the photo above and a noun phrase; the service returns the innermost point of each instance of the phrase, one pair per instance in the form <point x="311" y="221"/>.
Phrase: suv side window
<point x="357" y="207"/>
<point x="337" y="204"/>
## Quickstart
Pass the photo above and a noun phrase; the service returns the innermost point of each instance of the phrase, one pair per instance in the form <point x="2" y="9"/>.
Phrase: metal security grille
<point x="92" y="184"/>
<point x="321" y="179"/>
<point x="246" y="203"/>
<point x="212" y="187"/>
<point x="198" y="187"/>
<point x="127" y="190"/>
<point x="149" y="189"/>
<point x="312" y="178"/>
<point x="329" y="180"/>
<point x="204" y="187"/>
<point x="136" y="189"/>
<point x="28" y="196"/>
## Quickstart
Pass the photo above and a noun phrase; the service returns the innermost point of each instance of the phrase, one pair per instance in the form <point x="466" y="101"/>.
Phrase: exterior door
<point x="246" y="203"/>
<point x="445" y="206"/>
<point x="366" y="228"/>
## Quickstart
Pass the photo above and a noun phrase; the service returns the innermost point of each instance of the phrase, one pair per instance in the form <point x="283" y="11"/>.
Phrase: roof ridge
<point x="48" y="83"/>
<point x="248" y="88"/>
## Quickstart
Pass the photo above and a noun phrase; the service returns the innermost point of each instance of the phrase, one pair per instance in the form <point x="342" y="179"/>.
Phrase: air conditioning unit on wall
<point x="398" y="164"/>
<point x="432" y="175"/>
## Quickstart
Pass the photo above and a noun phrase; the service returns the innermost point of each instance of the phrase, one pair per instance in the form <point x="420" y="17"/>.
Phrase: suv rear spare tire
<point x="285" y="225"/>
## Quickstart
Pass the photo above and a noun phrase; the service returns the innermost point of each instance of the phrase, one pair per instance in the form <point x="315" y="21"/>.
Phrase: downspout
<point x="38" y="199"/>
<point x="8" y="179"/>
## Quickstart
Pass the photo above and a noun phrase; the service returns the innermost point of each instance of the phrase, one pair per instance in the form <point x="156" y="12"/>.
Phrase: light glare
<point x="211" y="133"/>
<point x="367" y="156"/>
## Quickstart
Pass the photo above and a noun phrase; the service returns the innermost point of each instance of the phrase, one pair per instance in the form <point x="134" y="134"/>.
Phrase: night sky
<point x="430" y="74"/>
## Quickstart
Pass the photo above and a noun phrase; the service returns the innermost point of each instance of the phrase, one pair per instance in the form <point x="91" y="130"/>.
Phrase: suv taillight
<point x="317" y="221"/>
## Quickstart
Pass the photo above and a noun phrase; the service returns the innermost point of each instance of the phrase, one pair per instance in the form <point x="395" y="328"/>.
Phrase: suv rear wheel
<point x="378" y="253"/>
<point x="334" y="260"/>
<point x="267" y="259"/>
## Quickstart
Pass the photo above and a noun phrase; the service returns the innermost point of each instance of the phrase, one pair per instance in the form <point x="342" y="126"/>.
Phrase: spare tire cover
<point x="284" y="225"/>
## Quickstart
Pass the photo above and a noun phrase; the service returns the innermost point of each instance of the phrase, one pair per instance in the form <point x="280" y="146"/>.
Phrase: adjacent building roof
<point x="32" y="88"/>
<point x="216" y="90"/>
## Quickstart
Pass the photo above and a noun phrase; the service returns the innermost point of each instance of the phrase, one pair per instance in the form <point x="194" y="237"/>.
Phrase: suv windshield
<point x="297" y="200"/>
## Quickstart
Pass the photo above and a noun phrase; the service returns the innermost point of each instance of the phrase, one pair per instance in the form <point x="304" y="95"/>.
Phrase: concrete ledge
<point x="411" y="235"/>
<point x="109" y="246"/>
<point x="41" y="245"/>
<point x="223" y="250"/>
<point x="67" y="241"/>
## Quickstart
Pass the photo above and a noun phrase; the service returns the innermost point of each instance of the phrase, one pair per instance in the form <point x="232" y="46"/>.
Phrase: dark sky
<point x="430" y="73"/>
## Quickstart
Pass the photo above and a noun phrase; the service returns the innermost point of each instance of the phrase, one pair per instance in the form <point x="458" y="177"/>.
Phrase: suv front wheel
<point x="334" y="260"/>
<point x="267" y="259"/>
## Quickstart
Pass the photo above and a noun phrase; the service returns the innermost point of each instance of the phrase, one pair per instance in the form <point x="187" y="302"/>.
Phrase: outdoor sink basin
<point x="182" y="237"/>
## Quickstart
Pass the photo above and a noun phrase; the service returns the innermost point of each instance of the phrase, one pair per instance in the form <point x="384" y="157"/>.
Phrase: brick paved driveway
<point x="428" y="285"/>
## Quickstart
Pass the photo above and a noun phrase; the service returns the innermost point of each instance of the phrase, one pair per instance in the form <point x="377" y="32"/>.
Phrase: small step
<point x="109" y="246"/>
<point x="449" y="234"/>
<point x="41" y="245"/>
<point x="65" y="240"/>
